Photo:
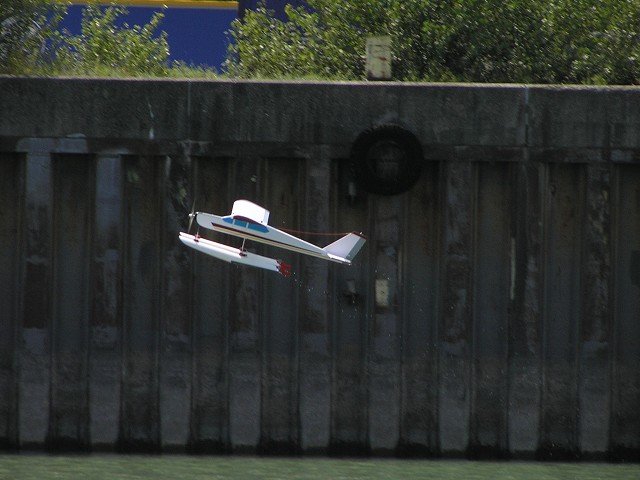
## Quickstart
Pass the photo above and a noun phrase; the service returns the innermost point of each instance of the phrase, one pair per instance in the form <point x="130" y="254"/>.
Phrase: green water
<point x="96" y="467"/>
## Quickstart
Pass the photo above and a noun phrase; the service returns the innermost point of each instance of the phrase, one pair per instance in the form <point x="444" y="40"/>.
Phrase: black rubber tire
<point x="386" y="160"/>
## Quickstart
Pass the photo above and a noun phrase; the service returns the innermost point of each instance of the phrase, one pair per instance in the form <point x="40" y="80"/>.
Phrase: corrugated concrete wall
<point x="495" y="310"/>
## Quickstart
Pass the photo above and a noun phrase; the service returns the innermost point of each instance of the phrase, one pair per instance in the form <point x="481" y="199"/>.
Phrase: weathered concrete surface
<point x="493" y="312"/>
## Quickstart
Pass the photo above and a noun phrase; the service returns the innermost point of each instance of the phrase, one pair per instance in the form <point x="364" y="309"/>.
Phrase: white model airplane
<point x="250" y="222"/>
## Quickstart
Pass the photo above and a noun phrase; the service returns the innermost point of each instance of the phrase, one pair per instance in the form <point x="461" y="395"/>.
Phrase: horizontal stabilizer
<point x="345" y="248"/>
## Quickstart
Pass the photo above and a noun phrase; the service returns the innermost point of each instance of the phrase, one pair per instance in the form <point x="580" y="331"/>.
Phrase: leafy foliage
<point x="26" y="27"/>
<point x="106" y="45"/>
<point x="324" y="41"/>
<point x="530" y="41"/>
<point x="31" y="43"/>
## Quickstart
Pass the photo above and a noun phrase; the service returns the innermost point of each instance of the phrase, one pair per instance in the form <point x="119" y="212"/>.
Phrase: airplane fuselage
<point x="246" y="228"/>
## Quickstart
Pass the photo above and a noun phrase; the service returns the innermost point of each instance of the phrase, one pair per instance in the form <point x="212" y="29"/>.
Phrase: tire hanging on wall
<point x="386" y="160"/>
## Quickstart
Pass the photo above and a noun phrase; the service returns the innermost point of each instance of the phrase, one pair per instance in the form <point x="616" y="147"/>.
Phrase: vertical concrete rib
<point x="562" y="310"/>
<point x="383" y="365"/>
<point x="457" y="297"/>
<point x="175" y="302"/>
<point x="73" y="198"/>
<point x="595" y="332"/>
<point x="492" y="269"/>
<point x="525" y="325"/>
<point x="11" y="195"/>
<point x="140" y="418"/>
<point x="210" y="297"/>
<point x="279" y="421"/>
<point x="245" y="321"/>
<point x="352" y="294"/>
<point x="314" y="346"/>
<point x="105" y="324"/>
<point x="35" y="374"/>
<point x="420" y="292"/>
<point x="625" y="379"/>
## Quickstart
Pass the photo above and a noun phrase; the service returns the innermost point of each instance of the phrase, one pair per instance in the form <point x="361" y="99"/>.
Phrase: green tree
<point x="107" y="46"/>
<point x="26" y="30"/>
<point x="532" y="41"/>
<point x="31" y="42"/>
<point x="324" y="41"/>
<point x="596" y="41"/>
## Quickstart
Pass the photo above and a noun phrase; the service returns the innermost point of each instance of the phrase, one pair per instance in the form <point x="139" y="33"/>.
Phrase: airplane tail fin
<point x="346" y="248"/>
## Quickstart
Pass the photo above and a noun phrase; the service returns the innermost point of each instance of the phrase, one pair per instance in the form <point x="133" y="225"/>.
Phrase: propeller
<point x="192" y="215"/>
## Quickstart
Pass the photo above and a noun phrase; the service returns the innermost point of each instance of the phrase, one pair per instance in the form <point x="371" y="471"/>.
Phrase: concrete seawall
<point x="494" y="311"/>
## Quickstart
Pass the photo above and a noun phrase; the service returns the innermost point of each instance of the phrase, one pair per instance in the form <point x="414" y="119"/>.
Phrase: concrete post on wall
<point x="209" y="305"/>
<point x="455" y="309"/>
<point x="524" y="363"/>
<point x="378" y="62"/>
<point x="34" y="339"/>
<point x="314" y="318"/>
<point x="105" y="326"/>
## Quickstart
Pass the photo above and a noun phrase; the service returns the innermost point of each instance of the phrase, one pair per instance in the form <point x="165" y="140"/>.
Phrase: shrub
<point x="107" y="46"/>
<point x="26" y="30"/>
<point x="528" y="41"/>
